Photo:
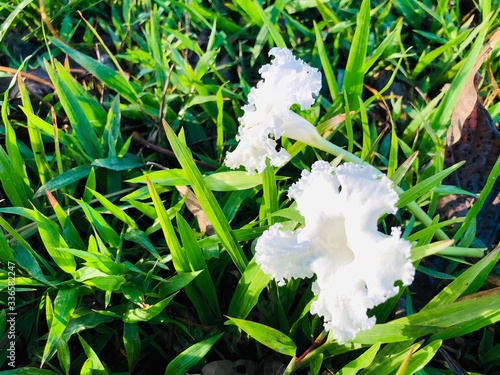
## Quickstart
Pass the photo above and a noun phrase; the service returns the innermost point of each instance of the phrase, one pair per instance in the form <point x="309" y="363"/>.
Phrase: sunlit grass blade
<point x="196" y="260"/>
<point x="267" y="336"/>
<point x="13" y="184"/>
<point x="67" y="178"/>
<point x="43" y="169"/>
<point x="11" y="142"/>
<point x="64" y="304"/>
<point x="478" y="204"/>
<point x="207" y="200"/>
<point x="107" y="75"/>
<point x="252" y="283"/>
<point x="425" y="186"/>
<point x="363" y="361"/>
<point x="442" y="115"/>
<point x="143" y="314"/>
<point x="93" y="364"/>
<point x="114" y="210"/>
<point x="53" y="241"/>
<point x="470" y="280"/>
<point x="270" y="191"/>
<point x="325" y="63"/>
<point x="180" y="259"/>
<point x="71" y="100"/>
<point x="98" y="222"/>
<point x="354" y="75"/>
<point x="132" y="344"/>
<point x="275" y="34"/>
<point x="191" y="356"/>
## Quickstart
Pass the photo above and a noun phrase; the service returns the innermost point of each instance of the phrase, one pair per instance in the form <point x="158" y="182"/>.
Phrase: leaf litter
<point x="474" y="137"/>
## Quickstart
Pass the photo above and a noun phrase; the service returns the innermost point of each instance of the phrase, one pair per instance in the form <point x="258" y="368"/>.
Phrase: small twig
<point x="137" y="138"/>
<point x="27" y="75"/>
<point x="47" y="22"/>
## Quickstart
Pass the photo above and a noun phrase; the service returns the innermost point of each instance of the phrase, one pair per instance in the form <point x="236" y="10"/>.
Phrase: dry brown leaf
<point x="468" y="97"/>
<point x="473" y="137"/>
<point x="193" y="205"/>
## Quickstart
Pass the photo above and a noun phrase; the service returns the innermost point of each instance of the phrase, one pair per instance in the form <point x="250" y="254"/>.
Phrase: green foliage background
<point x="114" y="274"/>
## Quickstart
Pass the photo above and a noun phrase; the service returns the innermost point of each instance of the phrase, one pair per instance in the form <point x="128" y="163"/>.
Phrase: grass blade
<point x="207" y="200"/>
<point x="191" y="356"/>
<point x="64" y="305"/>
<point x="354" y="75"/>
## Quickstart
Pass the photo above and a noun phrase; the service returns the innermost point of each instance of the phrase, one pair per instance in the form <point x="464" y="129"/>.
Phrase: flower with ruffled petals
<point x="267" y="117"/>
<point x="356" y="266"/>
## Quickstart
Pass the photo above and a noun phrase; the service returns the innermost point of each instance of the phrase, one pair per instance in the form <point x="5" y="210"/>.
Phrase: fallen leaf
<point x="473" y="137"/>
<point x="193" y="205"/>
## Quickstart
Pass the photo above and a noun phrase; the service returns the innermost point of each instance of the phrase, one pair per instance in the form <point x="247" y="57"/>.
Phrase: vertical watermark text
<point x="11" y="315"/>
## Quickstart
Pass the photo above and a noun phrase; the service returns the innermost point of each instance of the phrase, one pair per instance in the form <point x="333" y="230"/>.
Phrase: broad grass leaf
<point x="325" y="63"/>
<point x="393" y="332"/>
<point x="441" y="116"/>
<point x="67" y="178"/>
<point x="108" y="76"/>
<point x="207" y="200"/>
<point x="29" y="370"/>
<point x="175" y="283"/>
<point x="169" y="177"/>
<point x="143" y="314"/>
<point x="142" y="239"/>
<point x="11" y="143"/>
<point x="180" y="259"/>
<point x="4" y="27"/>
<point x="425" y="186"/>
<point x="270" y="192"/>
<point x="26" y="256"/>
<point x="63" y="355"/>
<point x="80" y="107"/>
<point x="232" y="180"/>
<point x="470" y="280"/>
<point x="98" y="261"/>
<point x="420" y="252"/>
<point x="93" y="364"/>
<point x="390" y="358"/>
<point x="64" y="305"/>
<point x="271" y="26"/>
<point x="197" y="262"/>
<point x="191" y="356"/>
<point x="116" y="211"/>
<point x="96" y="219"/>
<point x="93" y="277"/>
<point x="74" y="147"/>
<point x="248" y="290"/>
<point x="117" y="164"/>
<point x="13" y="184"/>
<point x="364" y="360"/>
<point x="53" y="241"/>
<point x="354" y="74"/>
<point x="267" y="336"/>
<point x="132" y="344"/>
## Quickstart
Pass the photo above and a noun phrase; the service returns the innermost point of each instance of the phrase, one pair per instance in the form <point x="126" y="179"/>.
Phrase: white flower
<point x="356" y="266"/>
<point x="285" y="81"/>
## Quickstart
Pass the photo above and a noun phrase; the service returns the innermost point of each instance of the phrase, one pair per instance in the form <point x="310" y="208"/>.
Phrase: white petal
<point x="356" y="265"/>
<point x="368" y="194"/>
<point x="254" y="147"/>
<point x="285" y="81"/>
<point x="282" y="256"/>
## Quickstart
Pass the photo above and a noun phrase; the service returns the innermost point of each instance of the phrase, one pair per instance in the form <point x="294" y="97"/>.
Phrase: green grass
<point x="114" y="274"/>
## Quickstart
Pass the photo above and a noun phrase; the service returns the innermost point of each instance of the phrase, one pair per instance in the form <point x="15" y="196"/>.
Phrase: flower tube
<point x="355" y="265"/>
<point x="267" y="117"/>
